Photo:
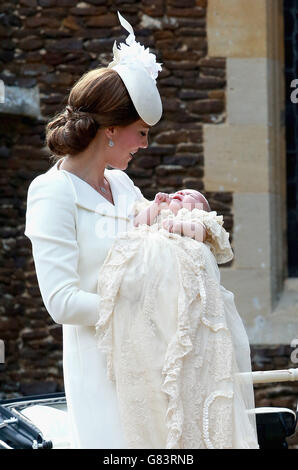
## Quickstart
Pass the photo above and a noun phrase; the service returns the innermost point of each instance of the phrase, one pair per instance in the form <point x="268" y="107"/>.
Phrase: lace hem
<point x="112" y="269"/>
<point x="192" y="273"/>
<point x="217" y="237"/>
<point x="223" y="442"/>
<point x="200" y="309"/>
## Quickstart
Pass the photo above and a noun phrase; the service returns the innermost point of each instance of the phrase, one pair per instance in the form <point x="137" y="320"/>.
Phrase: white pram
<point x="40" y="422"/>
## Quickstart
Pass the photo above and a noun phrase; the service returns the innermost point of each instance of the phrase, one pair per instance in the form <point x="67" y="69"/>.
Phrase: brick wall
<point x="49" y="44"/>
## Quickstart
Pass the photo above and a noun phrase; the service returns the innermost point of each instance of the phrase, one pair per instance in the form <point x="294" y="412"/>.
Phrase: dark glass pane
<point x="289" y="23"/>
<point x="289" y="56"/>
<point x="291" y="167"/>
<point x="291" y="121"/>
<point x="291" y="196"/>
<point x="291" y="135"/>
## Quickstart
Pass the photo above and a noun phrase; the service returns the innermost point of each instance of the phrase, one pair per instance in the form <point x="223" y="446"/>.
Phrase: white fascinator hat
<point x="138" y="69"/>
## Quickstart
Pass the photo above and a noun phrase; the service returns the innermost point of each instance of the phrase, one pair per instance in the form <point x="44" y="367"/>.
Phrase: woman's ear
<point x="110" y="132"/>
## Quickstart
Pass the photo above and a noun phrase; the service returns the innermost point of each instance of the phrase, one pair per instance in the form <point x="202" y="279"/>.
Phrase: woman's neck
<point x="88" y="169"/>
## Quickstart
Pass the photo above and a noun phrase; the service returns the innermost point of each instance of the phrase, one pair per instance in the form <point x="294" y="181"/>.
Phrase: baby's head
<point x="188" y="199"/>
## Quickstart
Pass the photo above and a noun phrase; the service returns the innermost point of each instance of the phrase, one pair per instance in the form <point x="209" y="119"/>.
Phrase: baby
<point x="186" y="199"/>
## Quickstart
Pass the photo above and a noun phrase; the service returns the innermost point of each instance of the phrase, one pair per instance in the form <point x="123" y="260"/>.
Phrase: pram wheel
<point x="274" y="425"/>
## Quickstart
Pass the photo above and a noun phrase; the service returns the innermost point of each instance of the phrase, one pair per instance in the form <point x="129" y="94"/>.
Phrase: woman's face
<point x="128" y="139"/>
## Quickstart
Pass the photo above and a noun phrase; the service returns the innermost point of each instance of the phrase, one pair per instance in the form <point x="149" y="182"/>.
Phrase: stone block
<point x="251" y="288"/>
<point x="186" y="160"/>
<point x="247" y="91"/>
<point x="265" y="324"/>
<point x="173" y="180"/>
<point x="104" y="21"/>
<point x="21" y="101"/>
<point x="251" y="229"/>
<point x="237" y="28"/>
<point x="83" y="9"/>
<point x="206" y="106"/>
<point x="31" y="43"/>
<point x="236" y="158"/>
<point x="197" y="12"/>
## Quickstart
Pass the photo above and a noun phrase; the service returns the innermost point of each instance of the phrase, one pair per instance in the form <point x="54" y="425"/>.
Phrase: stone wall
<point x="48" y="44"/>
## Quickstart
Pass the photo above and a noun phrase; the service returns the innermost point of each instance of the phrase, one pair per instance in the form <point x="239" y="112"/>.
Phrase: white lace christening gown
<point x="176" y="346"/>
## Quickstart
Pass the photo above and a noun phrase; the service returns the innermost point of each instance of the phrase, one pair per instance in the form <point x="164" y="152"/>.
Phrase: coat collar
<point x="87" y="197"/>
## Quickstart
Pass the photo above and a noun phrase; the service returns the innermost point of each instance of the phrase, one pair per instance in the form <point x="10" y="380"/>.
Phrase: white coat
<point x="71" y="228"/>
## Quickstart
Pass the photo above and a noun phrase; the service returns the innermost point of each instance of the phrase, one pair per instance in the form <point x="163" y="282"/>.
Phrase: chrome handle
<point x="6" y="422"/>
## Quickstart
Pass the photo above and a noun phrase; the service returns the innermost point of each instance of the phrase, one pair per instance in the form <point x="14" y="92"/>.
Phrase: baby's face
<point x="187" y="198"/>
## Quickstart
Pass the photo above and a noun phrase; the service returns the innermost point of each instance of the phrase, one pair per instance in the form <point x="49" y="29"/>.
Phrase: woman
<point x="74" y="211"/>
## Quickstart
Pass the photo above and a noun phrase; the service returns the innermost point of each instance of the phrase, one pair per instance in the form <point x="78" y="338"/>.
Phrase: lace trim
<point x="180" y="346"/>
<point x="217" y="237"/>
<point x="199" y="306"/>
<point x="109" y="280"/>
<point x="223" y="440"/>
<point x="191" y="274"/>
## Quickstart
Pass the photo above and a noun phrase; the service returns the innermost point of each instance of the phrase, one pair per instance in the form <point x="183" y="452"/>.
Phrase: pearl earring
<point x="111" y="143"/>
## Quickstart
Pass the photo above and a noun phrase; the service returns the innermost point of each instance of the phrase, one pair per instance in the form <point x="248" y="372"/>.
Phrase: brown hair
<point x="98" y="99"/>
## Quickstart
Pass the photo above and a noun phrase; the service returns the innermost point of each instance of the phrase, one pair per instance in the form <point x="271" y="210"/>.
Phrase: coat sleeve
<point x="51" y="228"/>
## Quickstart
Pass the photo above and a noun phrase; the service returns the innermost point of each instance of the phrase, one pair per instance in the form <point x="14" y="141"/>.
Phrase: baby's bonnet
<point x="217" y="238"/>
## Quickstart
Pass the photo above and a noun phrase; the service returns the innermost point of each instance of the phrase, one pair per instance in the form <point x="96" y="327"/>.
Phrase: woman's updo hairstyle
<point x="99" y="99"/>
